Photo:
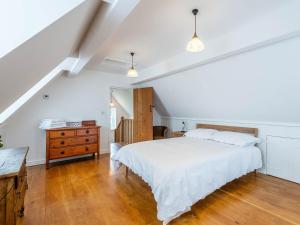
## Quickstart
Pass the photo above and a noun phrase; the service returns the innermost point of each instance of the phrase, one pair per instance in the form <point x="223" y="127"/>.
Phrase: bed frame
<point x="247" y="130"/>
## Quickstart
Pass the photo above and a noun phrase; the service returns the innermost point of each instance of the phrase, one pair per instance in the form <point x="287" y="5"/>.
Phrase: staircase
<point x="124" y="132"/>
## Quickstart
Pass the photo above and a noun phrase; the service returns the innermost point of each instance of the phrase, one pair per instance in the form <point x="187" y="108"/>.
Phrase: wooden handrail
<point x="124" y="131"/>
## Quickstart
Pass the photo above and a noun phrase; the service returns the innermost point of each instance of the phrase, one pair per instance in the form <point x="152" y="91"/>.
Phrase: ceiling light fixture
<point x="132" y="71"/>
<point x="195" y="45"/>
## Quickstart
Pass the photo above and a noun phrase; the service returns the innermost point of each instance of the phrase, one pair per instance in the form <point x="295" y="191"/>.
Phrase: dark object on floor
<point x="160" y="132"/>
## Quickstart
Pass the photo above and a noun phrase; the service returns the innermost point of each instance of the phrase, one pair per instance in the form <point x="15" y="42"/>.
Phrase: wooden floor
<point x="89" y="192"/>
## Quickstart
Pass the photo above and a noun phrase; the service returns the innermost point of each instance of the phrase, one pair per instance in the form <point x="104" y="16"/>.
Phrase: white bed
<point x="181" y="171"/>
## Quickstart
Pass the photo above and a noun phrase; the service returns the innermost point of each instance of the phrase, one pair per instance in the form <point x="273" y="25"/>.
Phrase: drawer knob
<point x="87" y="131"/>
<point x="62" y="142"/>
<point x="86" y="148"/>
<point x="87" y="140"/>
<point x="62" y="152"/>
<point x="62" y="133"/>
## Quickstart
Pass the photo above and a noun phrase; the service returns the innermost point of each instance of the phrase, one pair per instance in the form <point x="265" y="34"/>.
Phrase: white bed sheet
<point x="181" y="171"/>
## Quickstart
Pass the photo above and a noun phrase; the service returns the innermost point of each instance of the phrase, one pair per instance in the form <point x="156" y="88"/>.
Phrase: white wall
<point x="86" y="96"/>
<point x="120" y="111"/>
<point x="125" y="98"/>
<point x="156" y="118"/>
<point x="255" y="89"/>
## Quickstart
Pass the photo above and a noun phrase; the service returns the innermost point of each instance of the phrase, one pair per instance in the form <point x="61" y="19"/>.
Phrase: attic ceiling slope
<point x="274" y="25"/>
<point x="158" y="31"/>
<point x="22" y="68"/>
<point x="260" y="86"/>
<point x="106" y="22"/>
<point x="21" y="20"/>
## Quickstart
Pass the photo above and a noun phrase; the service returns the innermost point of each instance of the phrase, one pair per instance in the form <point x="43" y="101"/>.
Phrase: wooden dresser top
<point x="72" y="128"/>
<point x="11" y="161"/>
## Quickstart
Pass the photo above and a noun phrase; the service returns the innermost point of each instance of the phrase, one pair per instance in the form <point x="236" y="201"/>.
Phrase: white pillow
<point x="200" y="133"/>
<point x="235" y="138"/>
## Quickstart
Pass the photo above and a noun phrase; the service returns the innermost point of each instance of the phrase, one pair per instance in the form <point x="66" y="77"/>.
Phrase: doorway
<point x="131" y="115"/>
<point x="121" y="109"/>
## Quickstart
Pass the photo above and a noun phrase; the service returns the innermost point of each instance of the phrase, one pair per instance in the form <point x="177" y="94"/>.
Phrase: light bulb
<point x="132" y="72"/>
<point x="195" y="45"/>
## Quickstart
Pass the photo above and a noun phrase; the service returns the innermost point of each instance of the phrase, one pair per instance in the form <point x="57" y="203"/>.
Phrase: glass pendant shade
<point x="132" y="72"/>
<point x="195" y="45"/>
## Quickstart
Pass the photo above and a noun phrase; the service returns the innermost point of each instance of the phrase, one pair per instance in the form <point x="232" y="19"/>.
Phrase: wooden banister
<point x="124" y="131"/>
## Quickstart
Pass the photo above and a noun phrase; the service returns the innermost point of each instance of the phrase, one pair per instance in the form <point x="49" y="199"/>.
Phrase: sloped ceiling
<point x="31" y="61"/>
<point x="157" y="30"/>
<point x="259" y="86"/>
<point x="21" y="20"/>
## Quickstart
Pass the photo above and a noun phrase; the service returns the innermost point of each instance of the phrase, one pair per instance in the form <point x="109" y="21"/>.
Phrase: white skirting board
<point x="280" y="143"/>
<point x="35" y="162"/>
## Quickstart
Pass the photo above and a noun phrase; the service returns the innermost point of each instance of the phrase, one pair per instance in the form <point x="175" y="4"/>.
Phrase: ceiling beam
<point x="109" y="17"/>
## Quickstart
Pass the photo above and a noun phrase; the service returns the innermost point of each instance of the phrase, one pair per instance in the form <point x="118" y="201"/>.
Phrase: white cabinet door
<point x="283" y="158"/>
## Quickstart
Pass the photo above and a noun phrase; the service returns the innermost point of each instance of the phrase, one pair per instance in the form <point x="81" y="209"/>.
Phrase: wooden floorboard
<point x="91" y="192"/>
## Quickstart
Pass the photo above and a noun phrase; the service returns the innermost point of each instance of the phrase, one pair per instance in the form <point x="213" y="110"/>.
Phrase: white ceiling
<point x="21" y="20"/>
<point x="157" y="30"/>
<point x="30" y="62"/>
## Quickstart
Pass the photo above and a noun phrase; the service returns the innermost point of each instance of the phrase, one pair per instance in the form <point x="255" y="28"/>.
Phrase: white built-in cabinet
<point x="283" y="158"/>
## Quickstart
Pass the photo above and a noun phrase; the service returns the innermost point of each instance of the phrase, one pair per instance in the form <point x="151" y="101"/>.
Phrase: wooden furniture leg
<point x="126" y="175"/>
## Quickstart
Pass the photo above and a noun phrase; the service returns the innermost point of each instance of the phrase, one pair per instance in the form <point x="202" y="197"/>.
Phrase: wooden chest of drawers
<point x="67" y="142"/>
<point x="13" y="185"/>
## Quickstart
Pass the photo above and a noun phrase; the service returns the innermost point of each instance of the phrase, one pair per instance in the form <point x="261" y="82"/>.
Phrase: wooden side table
<point x="177" y="133"/>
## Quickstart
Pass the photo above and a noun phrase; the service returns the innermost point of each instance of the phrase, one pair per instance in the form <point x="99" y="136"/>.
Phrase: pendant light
<point x="111" y="104"/>
<point x="132" y="71"/>
<point x="195" y="45"/>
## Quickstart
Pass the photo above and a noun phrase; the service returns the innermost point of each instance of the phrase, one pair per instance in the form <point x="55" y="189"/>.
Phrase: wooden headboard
<point x="248" y="130"/>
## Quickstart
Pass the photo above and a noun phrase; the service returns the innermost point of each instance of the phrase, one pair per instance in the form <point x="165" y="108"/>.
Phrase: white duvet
<point x="181" y="171"/>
